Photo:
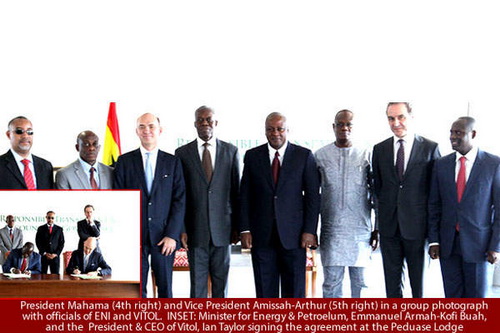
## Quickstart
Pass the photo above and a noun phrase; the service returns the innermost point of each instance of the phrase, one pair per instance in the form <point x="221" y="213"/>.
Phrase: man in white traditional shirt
<point x="346" y="228"/>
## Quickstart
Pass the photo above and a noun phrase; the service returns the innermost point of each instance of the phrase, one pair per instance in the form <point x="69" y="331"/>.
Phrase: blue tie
<point x="149" y="172"/>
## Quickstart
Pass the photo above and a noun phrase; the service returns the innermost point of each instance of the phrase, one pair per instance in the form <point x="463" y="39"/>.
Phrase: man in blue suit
<point x="23" y="261"/>
<point x="279" y="211"/>
<point x="159" y="176"/>
<point x="464" y="229"/>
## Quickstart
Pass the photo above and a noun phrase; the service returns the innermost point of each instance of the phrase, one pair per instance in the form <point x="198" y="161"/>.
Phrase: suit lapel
<point x="416" y="152"/>
<point x="219" y="152"/>
<point x="80" y="175"/>
<point x="286" y="166"/>
<point x="389" y="156"/>
<point x="265" y="164"/>
<point x="474" y="173"/>
<point x="195" y="159"/>
<point x="11" y="165"/>
<point x="139" y="170"/>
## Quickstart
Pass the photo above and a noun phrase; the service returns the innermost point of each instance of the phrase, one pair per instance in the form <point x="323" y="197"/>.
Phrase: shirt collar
<point x="281" y="151"/>
<point x="408" y="139"/>
<point x="86" y="166"/>
<point x="153" y="152"/>
<point x="19" y="158"/>
<point x="212" y="142"/>
<point x="470" y="156"/>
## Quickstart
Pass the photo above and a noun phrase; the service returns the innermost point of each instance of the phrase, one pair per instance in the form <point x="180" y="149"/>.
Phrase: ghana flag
<point x="112" y="147"/>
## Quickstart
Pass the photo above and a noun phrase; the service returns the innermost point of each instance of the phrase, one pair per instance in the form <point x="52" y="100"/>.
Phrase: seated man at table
<point x="23" y="261"/>
<point x="88" y="261"/>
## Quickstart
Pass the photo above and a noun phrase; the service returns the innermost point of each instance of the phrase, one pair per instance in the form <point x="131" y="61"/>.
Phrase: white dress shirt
<point x="408" y="140"/>
<point x="281" y="152"/>
<point x="86" y="168"/>
<point x="212" y="148"/>
<point x="153" y="156"/>
<point x="20" y="164"/>
<point x="469" y="162"/>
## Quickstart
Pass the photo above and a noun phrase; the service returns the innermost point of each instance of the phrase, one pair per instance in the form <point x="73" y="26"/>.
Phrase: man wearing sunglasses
<point x="20" y="169"/>
<point x="50" y="243"/>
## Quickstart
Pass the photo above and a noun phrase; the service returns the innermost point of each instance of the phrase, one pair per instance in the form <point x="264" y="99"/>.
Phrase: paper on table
<point x="16" y="276"/>
<point x="87" y="277"/>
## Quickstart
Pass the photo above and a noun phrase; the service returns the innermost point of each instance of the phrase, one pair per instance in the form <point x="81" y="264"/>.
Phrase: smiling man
<point x="85" y="173"/>
<point x="19" y="169"/>
<point x="160" y="178"/>
<point x="464" y="224"/>
<point x="280" y="202"/>
<point x="402" y="167"/>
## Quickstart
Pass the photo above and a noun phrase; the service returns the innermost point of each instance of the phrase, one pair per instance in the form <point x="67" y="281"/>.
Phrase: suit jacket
<point x="49" y="242"/>
<point x="476" y="213"/>
<point x="12" y="178"/>
<point x="403" y="203"/>
<point x="96" y="261"/>
<point x="15" y="259"/>
<point x="85" y="231"/>
<point x="293" y="204"/>
<point x="6" y="244"/>
<point x="74" y="177"/>
<point x="211" y="208"/>
<point x="163" y="209"/>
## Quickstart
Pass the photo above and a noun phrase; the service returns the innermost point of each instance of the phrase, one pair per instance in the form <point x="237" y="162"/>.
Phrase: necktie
<point x="50" y="229"/>
<point x="24" y="265"/>
<point x="461" y="179"/>
<point x="206" y="162"/>
<point x="400" y="159"/>
<point x="149" y="172"/>
<point x="93" y="183"/>
<point x="11" y="235"/>
<point x="28" y="176"/>
<point x="85" y="262"/>
<point x="276" y="167"/>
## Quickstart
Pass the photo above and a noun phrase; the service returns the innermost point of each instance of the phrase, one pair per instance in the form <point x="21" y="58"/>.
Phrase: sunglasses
<point x="19" y="131"/>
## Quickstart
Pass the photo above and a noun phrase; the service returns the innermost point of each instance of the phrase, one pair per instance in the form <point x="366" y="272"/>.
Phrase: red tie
<point x="461" y="179"/>
<point x="93" y="183"/>
<point x="50" y="229"/>
<point x="276" y="167"/>
<point x="24" y="264"/>
<point x="28" y="176"/>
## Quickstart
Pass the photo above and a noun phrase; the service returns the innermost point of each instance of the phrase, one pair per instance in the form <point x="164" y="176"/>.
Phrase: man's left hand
<point x="493" y="257"/>
<point x="168" y="246"/>
<point x="308" y="241"/>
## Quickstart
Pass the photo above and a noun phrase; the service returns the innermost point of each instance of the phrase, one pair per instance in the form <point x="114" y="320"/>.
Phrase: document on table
<point x="16" y="276"/>
<point x="87" y="277"/>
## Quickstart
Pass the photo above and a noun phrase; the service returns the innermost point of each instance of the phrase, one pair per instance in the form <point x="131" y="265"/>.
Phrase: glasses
<point x="50" y="217"/>
<point x="20" y="131"/>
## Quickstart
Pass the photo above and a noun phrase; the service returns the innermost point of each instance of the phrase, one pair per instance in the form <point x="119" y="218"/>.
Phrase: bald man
<point x="88" y="261"/>
<point x="85" y="173"/>
<point x="160" y="178"/>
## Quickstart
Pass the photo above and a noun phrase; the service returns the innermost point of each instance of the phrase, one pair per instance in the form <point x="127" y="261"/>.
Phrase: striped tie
<point x="28" y="176"/>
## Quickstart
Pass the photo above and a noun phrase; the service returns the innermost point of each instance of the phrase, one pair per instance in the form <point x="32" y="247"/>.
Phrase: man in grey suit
<point x="10" y="238"/>
<point x="85" y="173"/>
<point x="402" y="167"/>
<point x="211" y="173"/>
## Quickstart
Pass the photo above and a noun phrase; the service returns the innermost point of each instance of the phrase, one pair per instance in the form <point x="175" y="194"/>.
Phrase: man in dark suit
<point x="402" y="167"/>
<point x="211" y="172"/>
<point x="159" y="176"/>
<point x="20" y="169"/>
<point x="88" y="261"/>
<point x="86" y="173"/>
<point x="279" y="211"/>
<point x="88" y="228"/>
<point x="50" y="242"/>
<point x="464" y="224"/>
<point x="23" y="261"/>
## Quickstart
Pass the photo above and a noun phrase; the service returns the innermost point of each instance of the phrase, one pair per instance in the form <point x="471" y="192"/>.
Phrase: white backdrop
<point x="62" y="62"/>
<point x="118" y="212"/>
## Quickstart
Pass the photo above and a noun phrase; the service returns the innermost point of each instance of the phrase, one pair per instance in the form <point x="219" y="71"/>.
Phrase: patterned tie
<point x="400" y="160"/>
<point x="28" y="176"/>
<point x="276" y="167"/>
<point x="93" y="183"/>
<point x="24" y="264"/>
<point x="149" y="172"/>
<point x="206" y="162"/>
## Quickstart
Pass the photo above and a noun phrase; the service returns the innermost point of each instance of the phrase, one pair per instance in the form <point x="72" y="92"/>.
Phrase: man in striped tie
<point x="20" y="169"/>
